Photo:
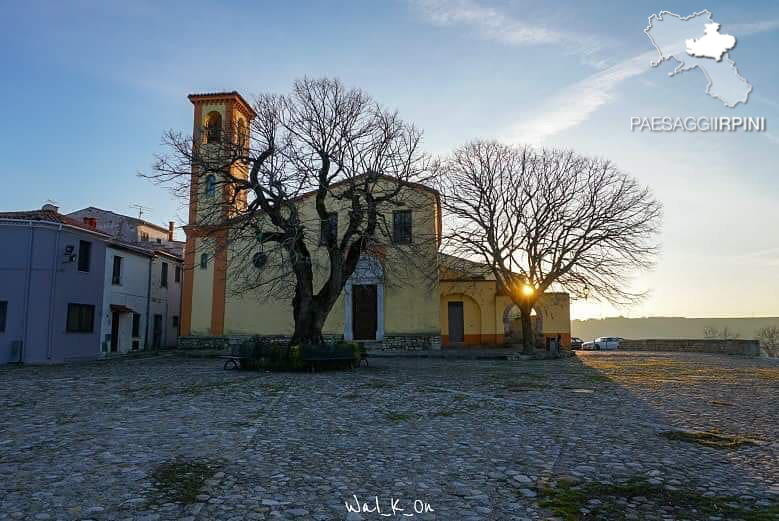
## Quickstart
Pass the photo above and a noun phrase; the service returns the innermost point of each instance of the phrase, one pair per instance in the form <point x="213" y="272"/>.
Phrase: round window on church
<point x="259" y="260"/>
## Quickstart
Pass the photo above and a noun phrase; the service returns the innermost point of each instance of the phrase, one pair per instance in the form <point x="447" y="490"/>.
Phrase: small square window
<point x="81" y="318"/>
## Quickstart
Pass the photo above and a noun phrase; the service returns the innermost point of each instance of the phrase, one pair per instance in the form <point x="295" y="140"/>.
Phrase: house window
<point x="81" y="318"/>
<point x="116" y="277"/>
<point x="84" y="255"/>
<point x="144" y="236"/>
<point x="177" y="274"/>
<point x="136" y="325"/>
<point x="328" y="228"/>
<point x="401" y="226"/>
<point x="210" y="185"/>
<point x="3" y="314"/>
<point x="164" y="275"/>
<point x="203" y="261"/>
<point x="175" y="321"/>
<point x="214" y="127"/>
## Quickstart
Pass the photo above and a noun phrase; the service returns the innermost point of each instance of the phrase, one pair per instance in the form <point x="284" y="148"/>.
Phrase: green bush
<point x="261" y="354"/>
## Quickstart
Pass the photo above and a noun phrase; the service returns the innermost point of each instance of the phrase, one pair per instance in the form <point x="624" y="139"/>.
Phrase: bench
<point x="235" y="360"/>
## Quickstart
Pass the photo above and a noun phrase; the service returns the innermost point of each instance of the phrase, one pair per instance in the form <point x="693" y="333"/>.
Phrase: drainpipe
<point x="148" y="307"/>
<point x="28" y="284"/>
<point x="53" y="290"/>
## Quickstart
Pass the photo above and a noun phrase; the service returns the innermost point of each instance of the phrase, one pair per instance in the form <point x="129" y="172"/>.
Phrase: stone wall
<point x="727" y="347"/>
<point x="390" y="343"/>
<point x="410" y="343"/>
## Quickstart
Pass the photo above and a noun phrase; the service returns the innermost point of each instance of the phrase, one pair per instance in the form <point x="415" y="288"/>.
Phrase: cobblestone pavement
<point x="177" y="438"/>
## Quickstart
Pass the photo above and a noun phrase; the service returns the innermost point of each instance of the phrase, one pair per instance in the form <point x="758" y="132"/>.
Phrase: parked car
<point x="602" y="343"/>
<point x="576" y="343"/>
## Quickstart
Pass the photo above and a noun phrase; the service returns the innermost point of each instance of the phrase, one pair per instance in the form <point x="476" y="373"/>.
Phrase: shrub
<point x="261" y="354"/>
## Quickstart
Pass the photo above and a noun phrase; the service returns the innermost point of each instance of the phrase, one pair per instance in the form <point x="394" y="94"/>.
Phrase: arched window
<point x="203" y="261"/>
<point x="242" y="131"/>
<point x="214" y="127"/>
<point x="210" y="185"/>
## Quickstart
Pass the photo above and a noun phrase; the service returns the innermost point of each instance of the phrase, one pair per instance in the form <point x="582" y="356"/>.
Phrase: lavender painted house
<point x="70" y="290"/>
<point x="51" y="287"/>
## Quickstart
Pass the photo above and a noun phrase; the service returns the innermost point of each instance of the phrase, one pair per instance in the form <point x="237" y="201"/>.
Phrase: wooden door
<point x="115" y="331"/>
<point x="364" y="311"/>
<point x="456" y="323"/>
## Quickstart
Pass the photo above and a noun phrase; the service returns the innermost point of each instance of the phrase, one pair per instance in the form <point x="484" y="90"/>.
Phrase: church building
<point x="454" y="308"/>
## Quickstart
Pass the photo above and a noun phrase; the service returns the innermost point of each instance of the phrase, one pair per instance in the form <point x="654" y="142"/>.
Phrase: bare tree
<point x="769" y="339"/>
<point x="711" y="332"/>
<point x="543" y="217"/>
<point x="321" y="142"/>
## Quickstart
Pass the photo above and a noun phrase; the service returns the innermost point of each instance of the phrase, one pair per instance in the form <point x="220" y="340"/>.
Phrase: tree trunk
<point x="308" y="330"/>
<point x="528" y="335"/>
<point x="309" y="317"/>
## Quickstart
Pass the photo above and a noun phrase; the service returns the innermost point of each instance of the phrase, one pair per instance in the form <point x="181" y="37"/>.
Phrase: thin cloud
<point x="574" y="104"/>
<point x="495" y="25"/>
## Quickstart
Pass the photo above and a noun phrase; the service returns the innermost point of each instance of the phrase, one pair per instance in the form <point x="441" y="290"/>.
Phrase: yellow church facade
<point x="388" y="302"/>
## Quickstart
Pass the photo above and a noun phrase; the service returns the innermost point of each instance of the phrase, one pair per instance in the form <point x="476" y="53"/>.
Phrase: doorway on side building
<point x="115" y="331"/>
<point x="456" y="319"/>
<point x="157" y="332"/>
<point x="364" y="311"/>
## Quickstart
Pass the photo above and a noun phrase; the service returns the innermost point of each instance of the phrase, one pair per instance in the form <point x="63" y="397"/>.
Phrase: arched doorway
<point x="512" y="324"/>
<point x="364" y="301"/>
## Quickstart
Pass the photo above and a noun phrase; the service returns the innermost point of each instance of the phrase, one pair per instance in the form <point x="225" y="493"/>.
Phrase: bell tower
<point x="221" y="122"/>
<point x="221" y="125"/>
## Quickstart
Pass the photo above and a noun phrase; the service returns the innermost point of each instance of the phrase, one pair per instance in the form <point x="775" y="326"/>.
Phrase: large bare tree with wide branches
<point x="323" y="143"/>
<point x="537" y="218"/>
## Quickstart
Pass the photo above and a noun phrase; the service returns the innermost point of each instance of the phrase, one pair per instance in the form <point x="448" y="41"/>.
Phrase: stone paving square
<point x="179" y="438"/>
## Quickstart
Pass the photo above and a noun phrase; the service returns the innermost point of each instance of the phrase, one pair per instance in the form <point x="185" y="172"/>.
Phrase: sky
<point x="90" y="86"/>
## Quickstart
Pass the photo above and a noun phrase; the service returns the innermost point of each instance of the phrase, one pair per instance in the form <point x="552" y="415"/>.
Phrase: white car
<point x="602" y="343"/>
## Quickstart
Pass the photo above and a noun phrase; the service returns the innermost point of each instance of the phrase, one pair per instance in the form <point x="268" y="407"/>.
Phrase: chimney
<point x="171" y="226"/>
<point x="91" y="222"/>
<point x="48" y="207"/>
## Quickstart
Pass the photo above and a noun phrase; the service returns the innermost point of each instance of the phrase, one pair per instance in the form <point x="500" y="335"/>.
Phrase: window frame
<point x="84" y="256"/>
<point x="210" y="186"/>
<point x="177" y="275"/>
<point x="164" y="275"/>
<point x="400" y="220"/>
<point x="213" y="127"/>
<point x="328" y="226"/>
<point x="84" y="313"/>
<point x="116" y="278"/>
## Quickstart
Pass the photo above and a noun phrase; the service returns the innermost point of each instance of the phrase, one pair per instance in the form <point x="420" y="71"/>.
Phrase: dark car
<point x="576" y="343"/>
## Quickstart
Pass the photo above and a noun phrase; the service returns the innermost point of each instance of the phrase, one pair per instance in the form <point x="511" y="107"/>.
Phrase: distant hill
<point x="666" y="327"/>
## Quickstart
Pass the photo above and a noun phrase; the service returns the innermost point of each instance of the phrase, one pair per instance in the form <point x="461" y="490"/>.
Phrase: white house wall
<point x="165" y="302"/>
<point x="132" y="292"/>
